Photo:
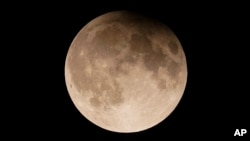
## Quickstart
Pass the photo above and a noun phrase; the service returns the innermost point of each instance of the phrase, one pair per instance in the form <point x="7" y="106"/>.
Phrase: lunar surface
<point x="125" y="72"/>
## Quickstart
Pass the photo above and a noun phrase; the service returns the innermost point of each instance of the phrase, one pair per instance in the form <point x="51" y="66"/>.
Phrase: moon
<point x="125" y="72"/>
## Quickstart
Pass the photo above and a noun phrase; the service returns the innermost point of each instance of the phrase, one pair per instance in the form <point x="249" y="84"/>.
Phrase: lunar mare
<point x="125" y="72"/>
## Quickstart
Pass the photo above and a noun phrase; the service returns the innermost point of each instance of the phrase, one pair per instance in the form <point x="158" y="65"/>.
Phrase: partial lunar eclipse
<point x="125" y="72"/>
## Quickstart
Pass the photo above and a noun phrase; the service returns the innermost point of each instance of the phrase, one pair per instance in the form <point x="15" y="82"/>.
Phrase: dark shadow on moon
<point x="105" y="42"/>
<point x="140" y="44"/>
<point x="154" y="58"/>
<point x="173" y="47"/>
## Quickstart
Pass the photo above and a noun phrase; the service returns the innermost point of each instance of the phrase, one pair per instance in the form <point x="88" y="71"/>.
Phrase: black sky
<point x="214" y="38"/>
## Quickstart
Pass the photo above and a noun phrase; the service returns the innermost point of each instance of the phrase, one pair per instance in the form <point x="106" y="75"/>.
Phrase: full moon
<point x="125" y="72"/>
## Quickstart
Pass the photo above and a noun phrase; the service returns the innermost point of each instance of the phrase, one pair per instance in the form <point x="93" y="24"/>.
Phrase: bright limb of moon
<point x="125" y="72"/>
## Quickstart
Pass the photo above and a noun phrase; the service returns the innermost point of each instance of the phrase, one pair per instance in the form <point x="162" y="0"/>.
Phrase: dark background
<point x="214" y="37"/>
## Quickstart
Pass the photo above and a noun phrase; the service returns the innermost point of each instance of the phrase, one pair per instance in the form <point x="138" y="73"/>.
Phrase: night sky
<point x="214" y="38"/>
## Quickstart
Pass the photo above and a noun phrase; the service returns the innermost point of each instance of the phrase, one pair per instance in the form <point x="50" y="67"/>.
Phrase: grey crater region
<point x="125" y="72"/>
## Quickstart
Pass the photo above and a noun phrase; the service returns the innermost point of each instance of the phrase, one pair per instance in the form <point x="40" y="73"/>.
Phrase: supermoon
<point x="125" y="72"/>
